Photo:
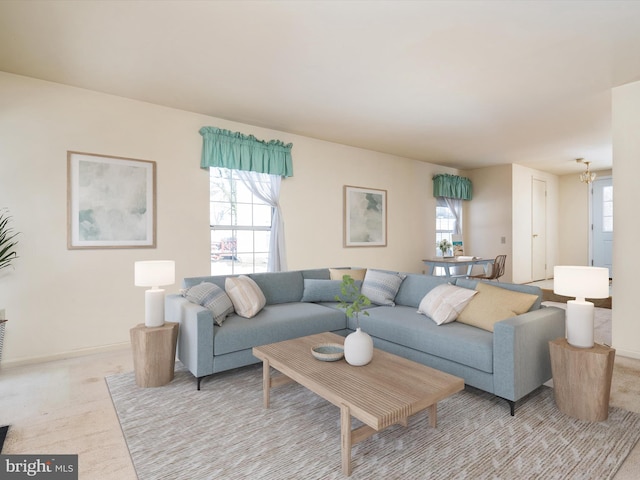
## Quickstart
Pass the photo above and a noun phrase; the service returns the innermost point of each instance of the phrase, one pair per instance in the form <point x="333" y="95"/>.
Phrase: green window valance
<point x="234" y="150"/>
<point x="452" y="186"/>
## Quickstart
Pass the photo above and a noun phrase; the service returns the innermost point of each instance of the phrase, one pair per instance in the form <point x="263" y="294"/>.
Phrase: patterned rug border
<point x="176" y="432"/>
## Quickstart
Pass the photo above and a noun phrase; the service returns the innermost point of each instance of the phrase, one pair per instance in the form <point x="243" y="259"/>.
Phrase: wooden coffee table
<point x="385" y="392"/>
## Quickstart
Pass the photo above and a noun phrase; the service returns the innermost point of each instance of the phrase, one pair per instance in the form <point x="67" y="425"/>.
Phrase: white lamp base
<point x="154" y="307"/>
<point x="580" y="323"/>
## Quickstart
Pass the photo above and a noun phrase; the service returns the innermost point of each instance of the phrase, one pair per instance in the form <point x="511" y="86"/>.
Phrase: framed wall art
<point x="365" y="217"/>
<point x="111" y="202"/>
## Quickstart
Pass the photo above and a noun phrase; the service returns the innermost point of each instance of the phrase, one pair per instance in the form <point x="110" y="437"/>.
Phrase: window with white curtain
<point x="448" y="219"/>
<point x="240" y="223"/>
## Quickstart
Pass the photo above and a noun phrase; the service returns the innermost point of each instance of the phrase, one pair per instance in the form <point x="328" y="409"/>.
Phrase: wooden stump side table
<point x="154" y="353"/>
<point x="582" y="379"/>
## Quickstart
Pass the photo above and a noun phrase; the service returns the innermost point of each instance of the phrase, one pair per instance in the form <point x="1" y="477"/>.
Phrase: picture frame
<point x="365" y="217"/>
<point x="111" y="202"/>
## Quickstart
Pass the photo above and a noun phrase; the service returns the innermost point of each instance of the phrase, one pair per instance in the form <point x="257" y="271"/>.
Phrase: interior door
<point x="538" y="229"/>
<point x="602" y="223"/>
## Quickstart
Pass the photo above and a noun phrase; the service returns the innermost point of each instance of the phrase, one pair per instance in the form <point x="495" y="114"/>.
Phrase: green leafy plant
<point x="352" y="300"/>
<point x="7" y="240"/>
<point x="444" y="245"/>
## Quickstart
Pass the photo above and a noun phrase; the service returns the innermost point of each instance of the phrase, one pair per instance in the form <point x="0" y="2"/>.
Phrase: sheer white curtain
<point x="267" y="188"/>
<point x="455" y="206"/>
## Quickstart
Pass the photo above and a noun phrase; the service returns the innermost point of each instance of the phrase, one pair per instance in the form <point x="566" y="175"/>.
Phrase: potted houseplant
<point x="7" y="255"/>
<point x="444" y="246"/>
<point x="358" y="346"/>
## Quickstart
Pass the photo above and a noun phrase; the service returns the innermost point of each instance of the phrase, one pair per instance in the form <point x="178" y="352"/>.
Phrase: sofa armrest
<point x="521" y="361"/>
<point x="195" y="336"/>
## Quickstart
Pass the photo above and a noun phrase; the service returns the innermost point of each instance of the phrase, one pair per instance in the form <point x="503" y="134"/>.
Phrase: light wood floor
<point x="64" y="407"/>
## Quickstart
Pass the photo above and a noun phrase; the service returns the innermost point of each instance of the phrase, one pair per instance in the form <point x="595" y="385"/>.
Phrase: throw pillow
<point x="212" y="297"/>
<point x="444" y="303"/>
<point x="381" y="287"/>
<point x="494" y="304"/>
<point x="355" y="273"/>
<point x="246" y="296"/>
<point x="323" y="290"/>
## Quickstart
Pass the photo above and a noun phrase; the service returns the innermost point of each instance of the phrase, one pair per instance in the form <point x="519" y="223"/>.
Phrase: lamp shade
<point x="155" y="273"/>
<point x="581" y="282"/>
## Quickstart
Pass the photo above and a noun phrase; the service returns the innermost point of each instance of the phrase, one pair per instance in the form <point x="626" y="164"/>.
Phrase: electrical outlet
<point x="503" y="240"/>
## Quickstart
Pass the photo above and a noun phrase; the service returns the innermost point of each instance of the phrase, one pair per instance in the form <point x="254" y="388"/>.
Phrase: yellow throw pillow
<point x="494" y="304"/>
<point x="355" y="273"/>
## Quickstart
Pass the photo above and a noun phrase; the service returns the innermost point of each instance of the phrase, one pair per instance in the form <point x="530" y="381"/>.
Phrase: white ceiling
<point x="458" y="83"/>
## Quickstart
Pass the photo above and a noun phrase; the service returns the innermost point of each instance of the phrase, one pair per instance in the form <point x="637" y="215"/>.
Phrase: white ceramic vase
<point x="358" y="348"/>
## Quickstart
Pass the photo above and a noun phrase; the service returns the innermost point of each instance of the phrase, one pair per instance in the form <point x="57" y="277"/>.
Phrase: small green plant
<point x="7" y="240"/>
<point x="444" y="245"/>
<point x="352" y="300"/>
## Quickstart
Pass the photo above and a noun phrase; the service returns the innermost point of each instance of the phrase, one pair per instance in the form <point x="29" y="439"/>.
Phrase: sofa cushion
<point x="415" y="287"/>
<point x="280" y="287"/>
<point x="316" y="274"/>
<point x="323" y="290"/>
<point x="444" y="303"/>
<point x="493" y="304"/>
<point x="453" y="341"/>
<point x="276" y="323"/>
<point x="212" y="297"/>
<point x="246" y="295"/>
<point x="381" y="287"/>
<point x="355" y="273"/>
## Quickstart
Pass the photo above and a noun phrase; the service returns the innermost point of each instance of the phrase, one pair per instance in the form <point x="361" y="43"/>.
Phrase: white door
<point x="602" y="223"/>
<point x="538" y="229"/>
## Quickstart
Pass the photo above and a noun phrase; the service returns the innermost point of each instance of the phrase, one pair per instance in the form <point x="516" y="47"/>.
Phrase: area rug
<point x="223" y="432"/>
<point x="550" y="296"/>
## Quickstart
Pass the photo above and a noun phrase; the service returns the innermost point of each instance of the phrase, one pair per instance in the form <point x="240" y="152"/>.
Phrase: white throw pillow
<point x="246" y="296"/>
<point x="444" y="303"/>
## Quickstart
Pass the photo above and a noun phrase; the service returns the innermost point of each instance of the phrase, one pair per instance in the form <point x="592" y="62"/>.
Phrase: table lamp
<point x="154" y="274"/>
<point x="580" y="282"/>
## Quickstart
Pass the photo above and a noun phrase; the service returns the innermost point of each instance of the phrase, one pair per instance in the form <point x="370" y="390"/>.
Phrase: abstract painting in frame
<point x="111" y="202"/>
<point x="365" y="217"/>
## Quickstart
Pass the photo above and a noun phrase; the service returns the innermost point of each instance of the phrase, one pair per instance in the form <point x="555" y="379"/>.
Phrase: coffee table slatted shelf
<point x="385" y="392"/>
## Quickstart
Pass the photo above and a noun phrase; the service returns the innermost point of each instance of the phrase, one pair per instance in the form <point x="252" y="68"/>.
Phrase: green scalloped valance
<point x="452" y="186"/>
<point x="234" y="150"/>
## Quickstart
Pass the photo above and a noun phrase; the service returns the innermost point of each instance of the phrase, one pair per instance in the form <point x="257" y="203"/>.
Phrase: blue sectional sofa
<point x="509" y="362"/>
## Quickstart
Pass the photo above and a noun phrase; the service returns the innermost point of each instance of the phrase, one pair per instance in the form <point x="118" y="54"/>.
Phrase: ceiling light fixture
<point x="587" y="176"/>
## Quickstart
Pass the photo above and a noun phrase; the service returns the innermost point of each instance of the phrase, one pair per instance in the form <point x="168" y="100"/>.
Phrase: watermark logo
<point x="49" y="467"/>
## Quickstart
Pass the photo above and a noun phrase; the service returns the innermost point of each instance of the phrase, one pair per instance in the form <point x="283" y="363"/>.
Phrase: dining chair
<point x="497" y="270"/>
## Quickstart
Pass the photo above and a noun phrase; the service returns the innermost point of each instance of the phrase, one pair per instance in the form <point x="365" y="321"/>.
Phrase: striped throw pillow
<point x="246" y="296"/>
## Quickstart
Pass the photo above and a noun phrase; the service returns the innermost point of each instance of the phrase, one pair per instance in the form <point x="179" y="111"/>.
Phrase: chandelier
<point x="587" y="176"/>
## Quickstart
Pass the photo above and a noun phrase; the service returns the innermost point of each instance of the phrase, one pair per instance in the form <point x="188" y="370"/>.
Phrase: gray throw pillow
<point x="381" y="287"/>
<point x="212" y="297"/>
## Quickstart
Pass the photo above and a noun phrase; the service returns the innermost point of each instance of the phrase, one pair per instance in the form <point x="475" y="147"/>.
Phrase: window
<point x="240" y="226"/>
<point x="445" y="223"/>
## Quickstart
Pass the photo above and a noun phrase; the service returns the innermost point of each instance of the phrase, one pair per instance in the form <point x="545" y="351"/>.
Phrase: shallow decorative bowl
<point x="328" y="352"/>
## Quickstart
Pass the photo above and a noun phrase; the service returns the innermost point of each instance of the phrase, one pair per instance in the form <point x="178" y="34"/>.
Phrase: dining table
<point x="461" y="261"/>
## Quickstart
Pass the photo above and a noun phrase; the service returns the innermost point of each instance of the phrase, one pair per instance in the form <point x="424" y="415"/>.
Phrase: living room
<point x="63" y="303"/>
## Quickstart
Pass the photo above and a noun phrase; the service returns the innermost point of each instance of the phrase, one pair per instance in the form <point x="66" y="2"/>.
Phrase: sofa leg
<point x="512" y="406"/>
<point x="199" y="380"/>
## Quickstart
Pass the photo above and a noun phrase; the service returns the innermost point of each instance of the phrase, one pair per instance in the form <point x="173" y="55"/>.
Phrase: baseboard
<point x="64" y="355"/>
<point x="627" y="353"/>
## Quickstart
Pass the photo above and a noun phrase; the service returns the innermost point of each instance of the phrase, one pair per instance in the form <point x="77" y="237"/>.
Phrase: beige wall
<point x="626" y="263"/>
<point x="487" y="218"/>
<point x="63" y="302"/>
